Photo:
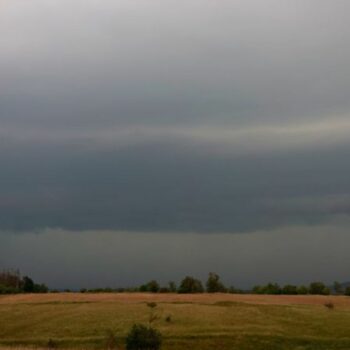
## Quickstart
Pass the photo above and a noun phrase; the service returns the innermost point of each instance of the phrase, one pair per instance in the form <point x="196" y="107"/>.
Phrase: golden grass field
<point x="203" y="321"/>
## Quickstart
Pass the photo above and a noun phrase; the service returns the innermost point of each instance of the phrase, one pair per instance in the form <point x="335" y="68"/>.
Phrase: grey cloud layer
<point x="162" y="187"/>
<point x="89" y="64"/>
<point x="157" y="115"/>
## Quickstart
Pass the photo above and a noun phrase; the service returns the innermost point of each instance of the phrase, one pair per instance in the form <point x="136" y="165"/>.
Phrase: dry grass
<point x="198" y="322"/>
<point x="341" y="301"/>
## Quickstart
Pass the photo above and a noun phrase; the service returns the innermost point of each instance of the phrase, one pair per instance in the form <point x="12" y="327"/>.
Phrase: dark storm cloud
<point x="166" y="187"/>
<point x="173" y="116"/>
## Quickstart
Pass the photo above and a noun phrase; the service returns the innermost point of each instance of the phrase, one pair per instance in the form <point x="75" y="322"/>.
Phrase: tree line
<point x="214" y="285"/>
<point x="11" y="282"/>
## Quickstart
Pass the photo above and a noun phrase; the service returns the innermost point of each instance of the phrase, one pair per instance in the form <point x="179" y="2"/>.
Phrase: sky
<point x="160" y="138"/>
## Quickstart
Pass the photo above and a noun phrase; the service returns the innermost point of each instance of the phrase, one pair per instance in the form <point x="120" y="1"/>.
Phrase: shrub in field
<point x="347" y="291"/>
<point x="190" y="285"/>
<point x="214" y="285"/>
<point x="141" y="337"/>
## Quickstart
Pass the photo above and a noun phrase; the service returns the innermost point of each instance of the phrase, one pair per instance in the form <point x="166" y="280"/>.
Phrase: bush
<point x="191" y="285"/>
<point x="347" y="291"/>
<point x="141" y="337"/>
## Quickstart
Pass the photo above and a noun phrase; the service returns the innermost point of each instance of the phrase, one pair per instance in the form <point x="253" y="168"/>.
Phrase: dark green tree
<point x="191" y="285"/>
<point x="290" y="289"/>
<point x="214" y="285"/>
<point x="318" y="288"/>
<point x="153" y="286"/>
<point x="27" y="285"/>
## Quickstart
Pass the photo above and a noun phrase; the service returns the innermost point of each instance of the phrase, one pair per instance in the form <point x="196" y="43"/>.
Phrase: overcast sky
<point x="151" y="139"/>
